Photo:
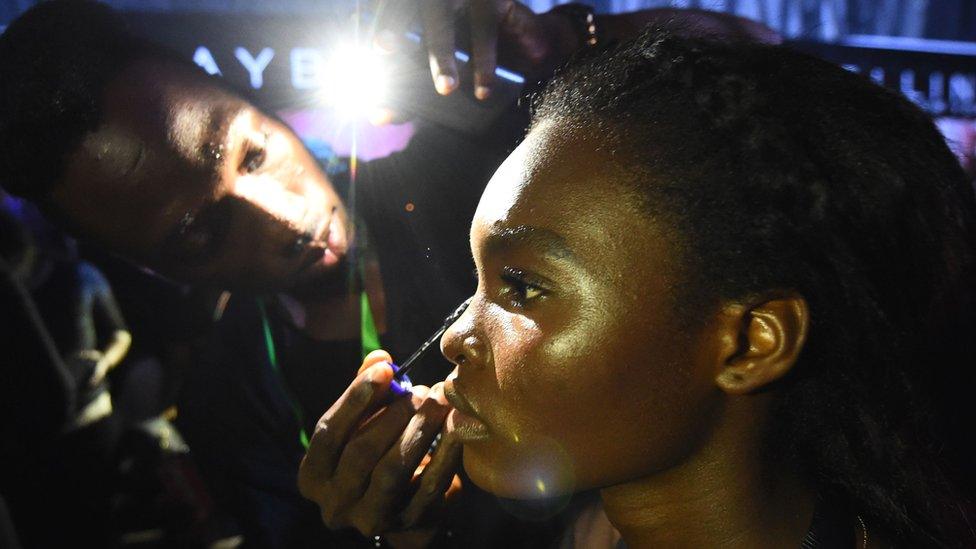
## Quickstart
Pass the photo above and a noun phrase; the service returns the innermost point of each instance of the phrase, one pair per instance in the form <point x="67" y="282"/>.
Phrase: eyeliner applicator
<point x="400" y="372"/>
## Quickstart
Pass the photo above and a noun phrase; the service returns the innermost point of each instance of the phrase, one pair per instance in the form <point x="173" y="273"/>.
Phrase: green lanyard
<point x="369" y="341"/>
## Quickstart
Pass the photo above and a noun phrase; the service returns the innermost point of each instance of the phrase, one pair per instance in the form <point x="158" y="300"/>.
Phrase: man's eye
<point x="253" y="159"/>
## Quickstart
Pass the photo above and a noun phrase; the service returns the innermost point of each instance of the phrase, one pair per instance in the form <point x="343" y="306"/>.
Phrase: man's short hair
<point x="55" y="60"/>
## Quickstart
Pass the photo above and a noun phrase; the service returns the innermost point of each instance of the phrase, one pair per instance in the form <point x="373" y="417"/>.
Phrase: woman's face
<point x="200" y="185"/>
<point x="574" y="371"/>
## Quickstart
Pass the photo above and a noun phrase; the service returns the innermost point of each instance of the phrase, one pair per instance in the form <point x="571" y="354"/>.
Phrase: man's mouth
<point x="335" y="240"/>
<point x="326" y="234"/>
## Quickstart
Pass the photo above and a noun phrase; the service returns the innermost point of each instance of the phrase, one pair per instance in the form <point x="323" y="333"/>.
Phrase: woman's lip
<point x="463" y="420"/>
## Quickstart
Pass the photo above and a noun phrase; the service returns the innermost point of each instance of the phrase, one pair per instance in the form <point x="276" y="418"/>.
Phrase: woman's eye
<point x="525" y="291"/>
<point x="531" y="292"/>
<point x="522" y="289"/>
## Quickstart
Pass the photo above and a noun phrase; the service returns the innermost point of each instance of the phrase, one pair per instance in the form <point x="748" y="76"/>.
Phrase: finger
<point x="484" y="46"/>
<point x="339" y="495"/>
<point x="375" y="357"/>
<point x="438" y="476"/>
<point x="335" y="426"/>
<point x="394" y="471"/>
<point x="364" y="450"/>
<point x="438" y="21"/>
<point x="524" y="38"/>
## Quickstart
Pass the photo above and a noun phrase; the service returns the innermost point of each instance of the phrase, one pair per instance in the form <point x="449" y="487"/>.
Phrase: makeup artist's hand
<point x="506" y="30"/>
<point x="365" y="463"/>
<point x="534" y="44"/>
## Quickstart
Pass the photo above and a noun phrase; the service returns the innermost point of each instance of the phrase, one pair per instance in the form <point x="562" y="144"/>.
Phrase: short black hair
<point x="783" y="172"/>
<point x="55" y="60"/>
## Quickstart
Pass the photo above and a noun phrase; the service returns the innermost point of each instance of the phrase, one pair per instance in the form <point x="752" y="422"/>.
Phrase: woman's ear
<point x="761" y="342"/>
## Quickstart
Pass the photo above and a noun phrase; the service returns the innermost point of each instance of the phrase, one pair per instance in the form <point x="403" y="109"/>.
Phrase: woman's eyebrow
<point x="544" y="241"/>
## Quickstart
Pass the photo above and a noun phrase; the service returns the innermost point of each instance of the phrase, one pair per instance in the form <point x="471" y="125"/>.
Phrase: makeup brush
<point x="404" y="368"/>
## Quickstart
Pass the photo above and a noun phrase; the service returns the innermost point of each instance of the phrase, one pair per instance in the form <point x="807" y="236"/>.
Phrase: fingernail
<point x="482" y="92"/>
<point x="445" y="84"/>
<point x="373" y="373"/>
<point x="369" y="374"/>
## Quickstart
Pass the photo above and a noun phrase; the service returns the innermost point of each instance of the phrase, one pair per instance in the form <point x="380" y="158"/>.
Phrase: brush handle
<point x="408" y="364"/>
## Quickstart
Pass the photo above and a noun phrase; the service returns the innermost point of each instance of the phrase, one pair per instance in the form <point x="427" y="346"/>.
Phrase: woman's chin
<point x="518" y="481"/>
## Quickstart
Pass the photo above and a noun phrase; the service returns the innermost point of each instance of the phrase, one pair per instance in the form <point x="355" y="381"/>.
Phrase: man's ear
<point x="761" y="342"/>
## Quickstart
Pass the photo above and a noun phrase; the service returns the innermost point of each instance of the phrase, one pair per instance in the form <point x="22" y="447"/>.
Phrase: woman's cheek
<point x="516" y="340"/>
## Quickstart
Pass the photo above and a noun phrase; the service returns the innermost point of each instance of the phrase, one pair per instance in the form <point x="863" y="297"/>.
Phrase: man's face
<point x="199" y="185"/>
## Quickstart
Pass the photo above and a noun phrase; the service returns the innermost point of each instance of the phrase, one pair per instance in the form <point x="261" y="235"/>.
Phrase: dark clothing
<point x="237" y="416"/>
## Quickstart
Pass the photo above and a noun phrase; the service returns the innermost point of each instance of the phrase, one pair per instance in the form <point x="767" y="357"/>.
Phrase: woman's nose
<point x="462" y="344"/>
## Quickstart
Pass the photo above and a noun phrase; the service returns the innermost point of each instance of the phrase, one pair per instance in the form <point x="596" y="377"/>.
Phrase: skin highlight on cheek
<point x="519" y="460"/>
<point x="517" y="337"/>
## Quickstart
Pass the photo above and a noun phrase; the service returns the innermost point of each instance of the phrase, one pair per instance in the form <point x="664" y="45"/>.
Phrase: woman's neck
<point x="723" y="495"/>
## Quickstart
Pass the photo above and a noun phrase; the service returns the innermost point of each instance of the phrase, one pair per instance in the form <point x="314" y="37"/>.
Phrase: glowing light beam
<point x="357" y="80"/>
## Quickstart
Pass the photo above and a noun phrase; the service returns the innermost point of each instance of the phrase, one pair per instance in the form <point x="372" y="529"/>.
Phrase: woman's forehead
<point x="572" y="193"/>
<point x="556" y="176"/>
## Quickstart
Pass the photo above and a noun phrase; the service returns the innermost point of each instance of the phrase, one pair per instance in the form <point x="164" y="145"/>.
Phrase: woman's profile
<point x="732" y="287"/>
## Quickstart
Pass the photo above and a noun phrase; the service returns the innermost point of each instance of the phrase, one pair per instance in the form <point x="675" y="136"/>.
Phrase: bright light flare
<point x="357" y="80"/>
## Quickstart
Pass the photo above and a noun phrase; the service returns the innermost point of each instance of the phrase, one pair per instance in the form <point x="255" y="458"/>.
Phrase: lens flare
<point x="357" y="80"/>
